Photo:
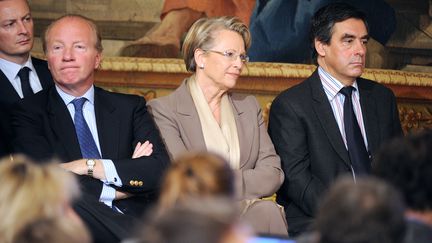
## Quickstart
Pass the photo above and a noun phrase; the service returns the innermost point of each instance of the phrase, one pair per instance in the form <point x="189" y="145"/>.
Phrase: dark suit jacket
<point x="307" y="138"/>
<point x="44" y="128"/>
<point x="9" y="96"/>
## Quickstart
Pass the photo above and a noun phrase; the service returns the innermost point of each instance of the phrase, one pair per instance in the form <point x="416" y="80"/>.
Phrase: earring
<point x="201" y="66"/>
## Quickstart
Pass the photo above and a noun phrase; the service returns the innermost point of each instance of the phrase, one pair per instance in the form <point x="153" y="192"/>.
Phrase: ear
<point x="199" y="56"/>
<point x="98" y="60"/>
<point x="320" y="47"/>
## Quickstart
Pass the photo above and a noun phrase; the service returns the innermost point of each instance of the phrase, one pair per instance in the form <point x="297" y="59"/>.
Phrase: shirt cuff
<point x="111" y="175"/>
<point x="107" y="195"/>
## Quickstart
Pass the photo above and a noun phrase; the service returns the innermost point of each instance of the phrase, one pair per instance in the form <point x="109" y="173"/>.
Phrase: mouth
<point x="24" y="42"/>
<point x="236" y="75"/>
<point x="68" y="68"/>
<point x="357" y="63"/>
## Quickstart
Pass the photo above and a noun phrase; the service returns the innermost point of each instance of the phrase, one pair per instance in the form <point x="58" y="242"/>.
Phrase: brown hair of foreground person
<point x="196" y="175"/>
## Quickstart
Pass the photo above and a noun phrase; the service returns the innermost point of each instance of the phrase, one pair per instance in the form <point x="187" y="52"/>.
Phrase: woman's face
<point x="223" y="62"/>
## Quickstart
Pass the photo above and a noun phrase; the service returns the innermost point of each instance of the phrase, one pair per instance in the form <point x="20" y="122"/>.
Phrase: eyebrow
<point x="16" y="19"/>
<point x="346" y="35"/>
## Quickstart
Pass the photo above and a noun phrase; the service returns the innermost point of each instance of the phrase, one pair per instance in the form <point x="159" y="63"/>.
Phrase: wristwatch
<point x="90" y="166"/>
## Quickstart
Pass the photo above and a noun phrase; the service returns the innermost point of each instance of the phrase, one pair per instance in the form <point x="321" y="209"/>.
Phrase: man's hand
<point x="122" y="195"/>
<point x="142" y="149"/>
<point x="79" y="167"/>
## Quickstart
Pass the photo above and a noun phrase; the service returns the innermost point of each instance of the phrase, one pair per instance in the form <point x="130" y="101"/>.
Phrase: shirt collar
<point x="11" y="69"/>
<point x="67" y="98"/>
<point x="331" y="85"/>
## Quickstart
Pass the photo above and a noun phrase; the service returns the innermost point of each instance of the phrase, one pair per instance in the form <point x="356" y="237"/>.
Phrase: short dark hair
<point x="407" y="164"/>
<point x="366" y="211"/>
<point x="323" y="21"/>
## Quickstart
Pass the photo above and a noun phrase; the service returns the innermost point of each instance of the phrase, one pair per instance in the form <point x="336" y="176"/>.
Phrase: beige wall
<point x="120" y="21"/>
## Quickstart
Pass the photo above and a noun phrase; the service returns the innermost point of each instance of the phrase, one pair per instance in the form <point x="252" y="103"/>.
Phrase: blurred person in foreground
<point x="366" y="211"/>
<point x="333" y="122"/>
<point x="196" y="204"/>
<point x="194" y="176"/>
<point x="35" y="203"/>
<point x="406" y="163"/>
<point x="210" y="220"/>
<point x="204" y="115"/>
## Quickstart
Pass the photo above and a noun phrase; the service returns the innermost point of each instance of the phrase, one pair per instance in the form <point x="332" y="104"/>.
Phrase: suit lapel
<point x="62" y="126"/>
<point x="326" y="117"/>
<point x="108" y="124"/>
<point x="8" y="94"/>
<point x="189" y="119"/>
<point x="370" y="114"/>
<point x="42" y="72"/>
<point x="245" y="131"/>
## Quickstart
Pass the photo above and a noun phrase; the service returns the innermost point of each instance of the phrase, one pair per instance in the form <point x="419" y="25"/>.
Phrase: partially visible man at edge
<point x="333" y="122"/>
<point x="108" y="140"/>
<point x="16" y="42"/>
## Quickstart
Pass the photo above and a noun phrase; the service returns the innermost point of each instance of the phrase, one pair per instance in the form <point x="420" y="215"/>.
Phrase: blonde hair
<point x="196" y="175"/>
<point x="90" y="22"/>
<point x="202" y="34"/>
<point x="29" y="192"/>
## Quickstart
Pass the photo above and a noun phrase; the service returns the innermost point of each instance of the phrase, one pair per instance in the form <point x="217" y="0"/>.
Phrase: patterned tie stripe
<point x="87" y="144"/>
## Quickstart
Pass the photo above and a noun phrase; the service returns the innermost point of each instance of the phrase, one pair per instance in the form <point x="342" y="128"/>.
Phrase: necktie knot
<point x="79" y="103"/>
<point x="24" y="73"/>
<point x="347" y="91"/>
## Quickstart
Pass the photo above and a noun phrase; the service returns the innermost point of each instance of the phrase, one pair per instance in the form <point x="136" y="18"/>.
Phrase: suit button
<point x="131" y="182"/>
<point x="140" y="183"/>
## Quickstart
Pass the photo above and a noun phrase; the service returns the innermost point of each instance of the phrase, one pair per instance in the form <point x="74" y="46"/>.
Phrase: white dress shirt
<point x="11" y="69"/>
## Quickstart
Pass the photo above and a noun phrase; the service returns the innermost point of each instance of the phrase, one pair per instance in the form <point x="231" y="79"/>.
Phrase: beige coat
<point x="260" y="173"/>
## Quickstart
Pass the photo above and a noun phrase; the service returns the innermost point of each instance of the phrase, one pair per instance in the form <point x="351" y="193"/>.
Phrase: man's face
<point x="344" y="57"/>
<point x="16" y="30"/>
<point x="72" y="55"/>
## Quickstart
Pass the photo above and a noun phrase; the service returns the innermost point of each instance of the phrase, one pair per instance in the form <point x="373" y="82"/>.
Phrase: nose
<point x="22" y="27"/>
<point x="68" y="54"/>
<point x="238" y="63"/>
<point x="360" y="47"/>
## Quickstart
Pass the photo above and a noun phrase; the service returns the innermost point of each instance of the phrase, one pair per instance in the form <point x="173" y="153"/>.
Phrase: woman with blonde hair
<point x="204" y="115"/>
<point x="35" y="198"/>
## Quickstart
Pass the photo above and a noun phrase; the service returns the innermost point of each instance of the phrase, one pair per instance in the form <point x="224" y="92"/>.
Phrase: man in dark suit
<point x="309" y="123"/>
<point x="16" y="42"/>
<point x="107" y="139"/>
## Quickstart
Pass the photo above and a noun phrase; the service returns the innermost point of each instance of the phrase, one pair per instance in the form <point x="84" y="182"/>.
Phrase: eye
<point x="244" y="58"/>
<point x="27" y="19"/>
<point x="229" y="54"/>
<point x="9" y="24"/>
<point x="365" y="41"/>
<point x="80" y="47"/>
<point x="348" y="40"/>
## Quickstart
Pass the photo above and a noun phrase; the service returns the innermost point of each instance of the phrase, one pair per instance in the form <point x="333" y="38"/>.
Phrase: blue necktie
<point x="23" y="74"/>
<point x="356" y="147"/>
<point x="87" y="144"/>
